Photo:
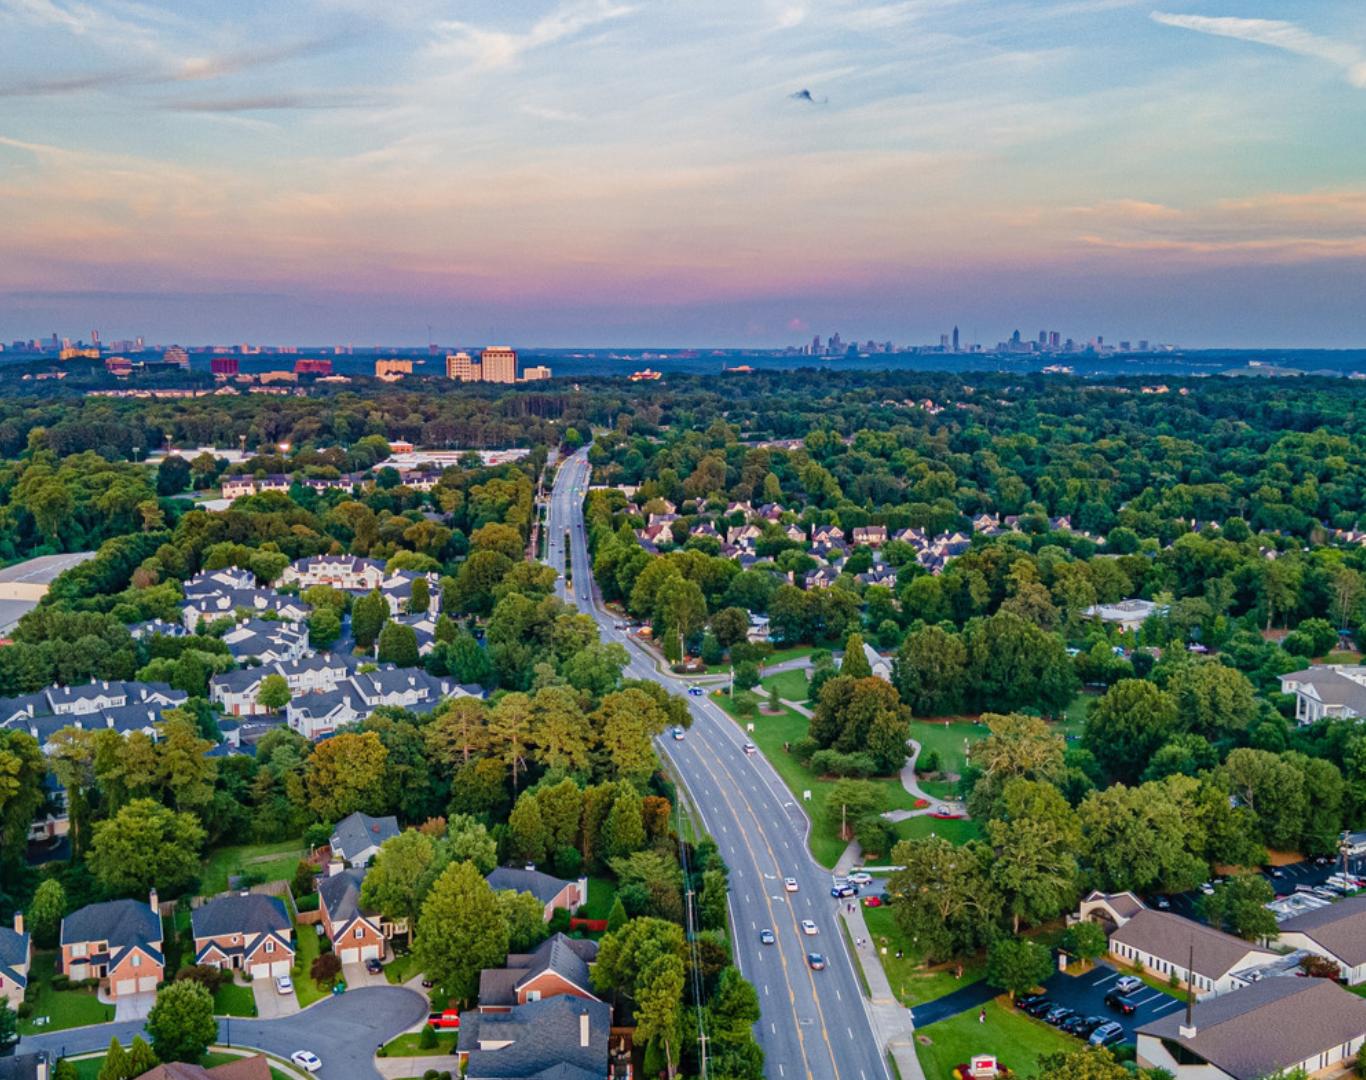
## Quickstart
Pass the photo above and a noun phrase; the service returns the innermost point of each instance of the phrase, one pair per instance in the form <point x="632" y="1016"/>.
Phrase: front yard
<point x="1018" y="1041"/>
<point x="408" y="1045"/>
<point x="268" y="862"/>
<point x="791" y="685"/>
<point x="912" y="982"/>
<point x="61" y="1008"/>
<point x="305" y="989"/>
<point x="234" y="1000"/>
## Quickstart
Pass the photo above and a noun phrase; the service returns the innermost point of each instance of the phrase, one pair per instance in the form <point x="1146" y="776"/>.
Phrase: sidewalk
<point x="891" y="1020"/>
<point x="395" y="1068"/>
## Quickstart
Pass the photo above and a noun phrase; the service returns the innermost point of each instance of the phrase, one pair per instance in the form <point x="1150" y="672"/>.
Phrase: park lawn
<point x="778" y="656"/>
<point x="601" y="893"/>
<point x="912" y="982"/>
<point x="273" y="862"/>
<point x="234" y="1000"/>
<point x="66" y="1008"/>
<point x="791" y="685"/>
<point x="305" y="989"/>
<point x="770" y="733"/>
<point x="1017" y="1040"/>
<point x="958" y="830"/>
<point x="407" y="1045"/>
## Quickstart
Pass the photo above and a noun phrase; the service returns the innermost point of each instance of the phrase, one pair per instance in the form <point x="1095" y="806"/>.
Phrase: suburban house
<point x="33" y="1067"/>
<point x="1270" y="1026"/>
<point x="1127" y="614"/>
<point x="316" y="715"/>
<point x="248" y="932"/>
<point x="553" y="893"/>
<point x="212" y="582"/>
<point x="85" y="699"/>
<point x="347" y="572"/>
<point x="237" y="690"/>
<point x="118" y="940"/>
<point x="1336" y="690"/>
<point x="397" y="590"/>
<point x="559" y="965"/>
<point x="358" y="837"/>
<point x="355" y="934"/>
<point x="156" y="628"/>
<point x="870" y="535"/>
<point x="16" y="952"/>
<point x="256" y="1067"/>
<point x="267" y="641"/>
<point x="1336" y="932"/>
<point x="563" y="1037"/>
<point x="881" y="667"/>
<point x="211" y="607"/>
<point x="1162" y="943"/>
<point x="234" y="487"/>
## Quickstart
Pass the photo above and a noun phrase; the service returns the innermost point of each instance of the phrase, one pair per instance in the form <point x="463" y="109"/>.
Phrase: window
<point x="533" y="995"/>
<point x="270" y="946"/>
<point x="358" y="933"/>
<point x="137" y="960"/>
<point x="79" y="949"/>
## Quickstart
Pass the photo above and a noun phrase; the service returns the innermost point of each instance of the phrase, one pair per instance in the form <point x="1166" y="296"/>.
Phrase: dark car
<point x="1074" y="1024"/>
<point x="816" y="960"/>
<point x="1058" y="1014"/>
<point x="374" y="967"/>
<point x="1039" y="1007"/>
<point x="1025" y="1000"/>
<point x="841" y="891"/>
<point x="1122" y="1003"/>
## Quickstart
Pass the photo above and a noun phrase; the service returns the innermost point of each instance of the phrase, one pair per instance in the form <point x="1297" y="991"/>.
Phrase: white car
<point x="790" y="884"/>
<point x="859" y="878"/>
<point x="678" y="734"/>
<point x="284" y="985"/>
<point x="809" y="928"/>
<point x="306" y="1060"/>
<point x="750" y="748"/>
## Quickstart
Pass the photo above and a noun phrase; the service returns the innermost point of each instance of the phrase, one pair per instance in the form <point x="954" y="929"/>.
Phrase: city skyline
<point x="600" y="171"/>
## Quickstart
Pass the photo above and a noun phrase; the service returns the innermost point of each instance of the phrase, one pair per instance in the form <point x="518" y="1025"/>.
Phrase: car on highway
<point x="306" y="1060"/>
<point x="284" y="985"/>
<point x="1107" y="1034"/>
<point x="766" y="936"/>
<point x="816" y="961"/>
<point x="790" y="884"/>
<point x="841" y="890"/>
<point x="1122" y="1003"/>
<point x="859" y="877"/>
<point x="678" y="734"/>
<point x="809" y="928"/>
<point x="750" y="748"/>
<point x="1127" y="984"/>
<point x="694" y="691"/>
<point x="872" y="901"/>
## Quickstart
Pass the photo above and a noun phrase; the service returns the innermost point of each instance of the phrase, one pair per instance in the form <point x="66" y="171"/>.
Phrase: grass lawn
<point x="601" y="893"/>
<point x="272" y="862"/>
<point x="89" y="1068"/>
<point x="1017" y="1040"/>
<point x="402" y="968"/>
<point x="66" y="1008"/>
<point x="947" y="740"/>
<point x="778" y="656"/>
<point x="791" y="685"/>
<point x="770" y="732"/>
<point x="1074" y="720"/>
<point x="407" y="1045"/>
<point x="959" y="831"/>
<point x="305" y="989"/>
<point x="912" y="982"/>
<point x="234" y="1000"/>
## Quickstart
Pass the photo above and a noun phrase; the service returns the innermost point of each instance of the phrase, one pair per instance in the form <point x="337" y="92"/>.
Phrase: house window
<point x="79" y="949"/>
<point x="137" y="960"/>
<point x="270" y="946"/>
<point x="533" y="995"/>
<point x="359" y="933"/>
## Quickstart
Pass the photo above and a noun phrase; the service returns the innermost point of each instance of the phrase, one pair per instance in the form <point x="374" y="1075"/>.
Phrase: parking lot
<point x="1305" y="873"/>
<point x="1086" y="994"/>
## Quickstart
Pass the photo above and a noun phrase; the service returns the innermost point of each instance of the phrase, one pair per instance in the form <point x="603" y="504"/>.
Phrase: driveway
<point x="270" y="1003"/>
<point x="356" y="976"/>
<point x="344" y="1031"/>
<point x="972" y="996"/>
<point x="133" y="1007"/>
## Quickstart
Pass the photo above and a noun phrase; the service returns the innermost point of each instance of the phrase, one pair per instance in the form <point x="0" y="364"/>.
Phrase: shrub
<point x="928" y="762"/>
<point x="325" y="969"/>
<point x="874" y="835"/>
<point x="834" y="763"/>
<point x="61" y="982"/>
<point x="307" y="903"/>
<point x="25" y="1010"/>
<point x="427" y="1039"/>
<point x="210" y="977"/>
<point x="803" y="748"/>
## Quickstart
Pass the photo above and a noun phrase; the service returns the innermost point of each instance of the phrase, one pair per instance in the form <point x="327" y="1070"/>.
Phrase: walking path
<point x="891" y="1020"/>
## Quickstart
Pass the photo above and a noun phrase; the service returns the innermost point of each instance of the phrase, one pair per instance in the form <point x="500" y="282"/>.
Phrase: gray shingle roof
<point x="357" y="832"/>
<point x="1340" y="928"/>
<point x="545" y="1040"/>
<point x="341" y="894"/>
<point x="1268" y="1026"/>
<point x="24" y="1066"/>
<point x="252" y="914"/>
<point x="567" y="957"/>
<point x="543" y="887"/>
<point x="1161" y="933"/>
<point x="122" y="923"/>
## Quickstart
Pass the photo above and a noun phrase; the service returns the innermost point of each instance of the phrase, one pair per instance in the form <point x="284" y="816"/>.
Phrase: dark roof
<point x="14" y="954"/>
<point x="357" y="832"/>
<point x="1161" y="933"/>
<point x="544" y="1037"/>
<point x="543" y="887"/>
<point x="24" y="1066"/>
<point x="1340" y="928"/>
<point x="567" y="957"/>
<point x="252" y="913"/>
<point x="341" y="894"/>
<point x="1268" y="1026"/>
<point x="120" y="922"/>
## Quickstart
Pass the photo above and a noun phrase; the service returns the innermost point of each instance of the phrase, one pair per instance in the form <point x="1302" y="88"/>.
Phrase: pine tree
<point x="616" y="918"/>
<point x="855" y="664"/>
<point x="115" y="1065"/>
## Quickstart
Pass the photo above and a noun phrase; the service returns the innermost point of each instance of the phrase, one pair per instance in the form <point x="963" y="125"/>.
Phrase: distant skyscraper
<point x="836" y="345"/>
<point x="1015" y="338"/>
<point x="1143" y="345"/>
<point x="955" y="339"/>
<point x="1054" y="339"/>
<point x="461" y="367"/>
<point x="1043" y="337"/>
<point x="535" y="373"/>
<point x="944" y="342"/>
<point x="816" y="344"/>
<point x="94" y="337"/>
<point x="499" y="364"/>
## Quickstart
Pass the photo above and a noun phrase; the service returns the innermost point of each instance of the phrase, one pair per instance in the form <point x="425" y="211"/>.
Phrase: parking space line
<point x="1167" y="1005"/>
<point x="1146" y="1000"/>
<point x="1106" y="978"/>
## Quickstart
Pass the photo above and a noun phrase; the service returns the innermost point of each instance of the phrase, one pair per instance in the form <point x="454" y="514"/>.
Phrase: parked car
<point x="790" y="884"/>
<point x="1123" y="1003"/>
<point x="1127" y="984"/>
<point x="1057" y="1014"/>
<point x="816" y="960"/>
<point x="873" y="901"/>
<point x="374" y="967"/>
<point x="809" y="928"/>
<point x="1275" y="872"/>
<point x="766" y="936"/>
<point x="1041" y="1006"/>
<point x="449" y="1020"/>
<point x="1207" y="888"/>
<point x="284" y="985"/>
<point x="1323" y="860"/>
<point x="841" y="891"/>
<point x="859" y="877"/>
<point x="1107" y="1034"/>
<point x="306" y="1060"/>
<point x="1025" y="1000"/>
<point x="1163" y="903"/>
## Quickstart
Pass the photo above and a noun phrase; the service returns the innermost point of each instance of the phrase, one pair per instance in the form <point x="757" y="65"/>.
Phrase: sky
<point x="704" y="172"/>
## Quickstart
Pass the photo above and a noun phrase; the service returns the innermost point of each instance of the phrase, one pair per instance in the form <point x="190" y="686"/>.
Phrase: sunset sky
<point x="599" y="172"/>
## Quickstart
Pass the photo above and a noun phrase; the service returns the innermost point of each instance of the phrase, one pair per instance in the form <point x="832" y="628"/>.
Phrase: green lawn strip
<point x="234" y="1000"/>
<point x="957" y="830"/>
<point x="305" y="989"/>
<point x="271" y="862"/>
<point x="406" y="1045"/>
<point x="601" y="892"/>
<point x="402" y="968"/>
<point x="947" y="740"/>
<point x="778" y="656"/>
<point x="770" y="733"/>
<point x="1016" y="1039"/>
<point x="791" y="685"/>
<point x="64" y="1008"/>
<point x="89" y="1068"/>
<point x="912" y="982"/>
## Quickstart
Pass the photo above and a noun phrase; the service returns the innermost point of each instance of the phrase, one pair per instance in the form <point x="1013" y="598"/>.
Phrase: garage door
<point x="126" y="986"/>
<point x="350" y="956"/>
<point x="369" y="952"/>
<point x="147" y="982"/>
<point x="260" y="971"/>
<point x="280" y="967"/>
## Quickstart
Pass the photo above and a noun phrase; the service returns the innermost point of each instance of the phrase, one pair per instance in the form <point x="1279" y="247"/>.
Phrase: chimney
<point x="152" y="900"/>
<point x="18" y="922"/>
<point x="583" y="1029"/>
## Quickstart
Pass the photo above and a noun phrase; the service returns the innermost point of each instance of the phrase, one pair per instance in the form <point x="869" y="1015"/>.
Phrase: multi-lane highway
<point x="814" y="1023"/>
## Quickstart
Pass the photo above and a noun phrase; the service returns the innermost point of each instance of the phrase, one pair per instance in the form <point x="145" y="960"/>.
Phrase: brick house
<point x="16" y="953"/>
<point x="553" y="893"/>
<point x="559" y="965"/>
<point x="244" y="932"/>
<point x="355" y="934"/>
<point x="119" y="941"/>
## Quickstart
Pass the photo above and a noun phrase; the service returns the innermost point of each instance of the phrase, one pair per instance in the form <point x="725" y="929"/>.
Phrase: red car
<point x="947" y="815"/>
<point x="445" y="1021"/>
<point x="872" y="901"/>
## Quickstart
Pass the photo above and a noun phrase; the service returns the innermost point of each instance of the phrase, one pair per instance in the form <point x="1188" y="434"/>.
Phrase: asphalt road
<point x="813" y="1023"/>
<point x="344" y="1031"/>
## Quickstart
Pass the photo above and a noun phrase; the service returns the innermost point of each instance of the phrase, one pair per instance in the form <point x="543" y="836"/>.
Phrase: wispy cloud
<point x="1278" y="35"/>
<point x="488" y="49"/>
<point x="270" y="103"/>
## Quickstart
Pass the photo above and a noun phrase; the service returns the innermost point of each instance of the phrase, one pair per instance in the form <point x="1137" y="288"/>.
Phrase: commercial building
<point x="462" y="367"/>
<point x="312" y="366"/>
<point x="392" y="370"/>
<point x="498" y="364"/>
<point x="535" y="373"/>
<point x="224" y="367"/>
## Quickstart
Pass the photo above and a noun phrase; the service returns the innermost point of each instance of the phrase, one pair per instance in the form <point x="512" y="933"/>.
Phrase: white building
<point x="1327" y="690"/>
<point x="1127" y="614"/>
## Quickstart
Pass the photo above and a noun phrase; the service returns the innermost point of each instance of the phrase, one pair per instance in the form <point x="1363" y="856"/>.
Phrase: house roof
<point x="359" y="831"/>
<point x="566" y="957"/>
<point x="1164" y="934"/>
<point x="545" y="1039"/>
<point x="255" y="1067"/>
<point x="25" y="1066"/>
<point x="1267" y="1026"/>
<point x="1124" y="904"/>
<point x="1340" y="928"/>
<point x="14" y="954"/>
<point x="122" y="923"/>
<point x="251" y="913"/>
<point x="544" y="887"/>
<point x="340" y="894"/>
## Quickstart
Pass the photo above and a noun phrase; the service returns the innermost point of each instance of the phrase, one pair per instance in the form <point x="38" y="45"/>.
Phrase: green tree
<point x="398" y="645"/>
<point x="403" y="871"/>
<point x="368" y="615"/>
<point x="1239" y="906"/>
<point x="1088" y="1063"/>
<point x="146" y="845"/>
<point x="173" y="475"/>
<point x="1086" y="941"/>
<point x="734" y="1007"/>
<point x="731" y="626"/>
<point x="461" y="931"/>
<point x="181" y="1022"/>
<point x="1126" y="726"/>
<point x="1213" y="700"/>
<point x="46" y="912"/>
<point x="1017" y="965"/>
<point x="712" y="901"/>
<point x="1272" y="787"/>
<point x="623" y="829"/>
<point x="470" y="841"/>
<point x="946" y="899"/>
<point x="928" y="671"/>
<point x="854" y="664"/>
<point x="645" y="961"/>
<point x="115" y="1066"/>
<point x="141" y="1058"/>
<point x="616" y="918"/>
<point x="347" y="773"/>
<point x="1034" y="869"/>
<point x="421" y="599"/>
<point x="274" y="693"/>
<point x="525" y="917"/>
<point x="527" y="838"/>
<point x="324" y="627"/>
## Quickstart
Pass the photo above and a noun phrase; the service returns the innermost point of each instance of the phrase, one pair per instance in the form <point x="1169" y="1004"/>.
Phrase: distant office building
<point x="462" y="367"/>
<point x="498" y="364"/>
<point x="224" y="367"/>
<point x="76" y="352"/>
<point x="119" y="366"/>
<point x="1143" y="345"/>
<point x="944" y="342"/>
<point x="955" y="340"/>
<point x="535" y="372"/>
<point x="268" y="377"/>
<point x="392" y="370"/>
<point x="1054" y="339"/>
<point x="310" y="366"/>
<point x="176" y="355"/>
<point x="816" y="344"/>
<point x="1043" y="337"/>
